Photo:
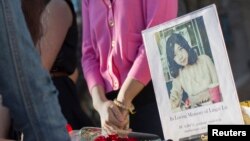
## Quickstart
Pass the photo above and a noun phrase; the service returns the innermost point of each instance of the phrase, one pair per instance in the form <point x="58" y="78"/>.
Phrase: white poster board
<point x="191" y="75"/>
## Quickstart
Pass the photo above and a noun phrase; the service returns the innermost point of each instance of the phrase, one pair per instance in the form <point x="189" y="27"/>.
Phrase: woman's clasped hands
<point x="114" y="119"/>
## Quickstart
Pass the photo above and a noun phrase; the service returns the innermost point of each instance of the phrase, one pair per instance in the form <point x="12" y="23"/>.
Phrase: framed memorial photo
<point x="191" y="75"/>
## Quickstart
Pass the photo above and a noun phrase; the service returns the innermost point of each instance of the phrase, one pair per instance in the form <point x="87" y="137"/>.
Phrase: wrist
<point x="128" y="107"/>
<point x="124" y="99"/>
<point x="98" y="104"/>
<point x="98" y="97"/>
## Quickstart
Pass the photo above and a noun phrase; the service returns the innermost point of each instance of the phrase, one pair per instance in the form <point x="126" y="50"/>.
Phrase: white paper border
<point x="230" y="115"/>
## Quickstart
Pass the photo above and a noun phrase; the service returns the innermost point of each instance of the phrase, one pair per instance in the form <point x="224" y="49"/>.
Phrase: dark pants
<point x="147" y="118"/>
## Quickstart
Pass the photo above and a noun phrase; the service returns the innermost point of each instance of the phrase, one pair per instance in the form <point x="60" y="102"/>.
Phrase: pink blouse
<point x="112" y="46"/>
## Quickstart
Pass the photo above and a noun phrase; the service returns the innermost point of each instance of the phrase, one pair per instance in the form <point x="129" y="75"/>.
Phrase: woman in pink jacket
<point x="115" y="65"/>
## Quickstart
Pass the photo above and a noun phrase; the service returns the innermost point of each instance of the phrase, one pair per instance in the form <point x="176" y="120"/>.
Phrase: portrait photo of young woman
<point x="189" y="70"/>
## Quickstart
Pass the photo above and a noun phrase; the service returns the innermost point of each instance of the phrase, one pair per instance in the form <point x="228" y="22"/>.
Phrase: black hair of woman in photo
<point x="178" y="39"/>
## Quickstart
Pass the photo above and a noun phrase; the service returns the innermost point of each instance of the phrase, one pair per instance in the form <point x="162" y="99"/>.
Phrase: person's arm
<point x="155" y="12"/>
<point x="111" y="118"/>
<point x="176" y="93"/>
<point x="56" y="20"/>
<point x="90" y="61"/>
<point x="129" y="90"/>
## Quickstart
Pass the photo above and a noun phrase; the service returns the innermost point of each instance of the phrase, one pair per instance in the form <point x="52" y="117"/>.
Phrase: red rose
<point x="114" y="138"/>
<point x="100" y="138"/>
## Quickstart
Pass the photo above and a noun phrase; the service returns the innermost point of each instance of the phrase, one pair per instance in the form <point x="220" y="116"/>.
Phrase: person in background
<point x="57" y="46"/>
<point x="115" y="65"/>
<point x="26" y="88"/>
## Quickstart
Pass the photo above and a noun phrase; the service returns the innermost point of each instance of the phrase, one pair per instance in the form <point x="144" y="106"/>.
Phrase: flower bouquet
<point x="97" y="134"/>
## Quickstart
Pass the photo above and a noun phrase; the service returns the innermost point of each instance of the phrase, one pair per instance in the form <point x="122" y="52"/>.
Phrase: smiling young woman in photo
<point x="191" y="73"/>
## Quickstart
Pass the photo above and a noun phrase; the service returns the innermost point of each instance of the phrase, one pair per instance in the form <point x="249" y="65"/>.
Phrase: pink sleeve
<point x="156" y="12"/>
<point x="90" y="62"/>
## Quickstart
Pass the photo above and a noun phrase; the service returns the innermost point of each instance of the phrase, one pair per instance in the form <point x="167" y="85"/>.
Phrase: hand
<point x="125" y="114"/>
<point x="124" y="130"/>
<point x="112" y="119"/>
<point x="125" y="110"/>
